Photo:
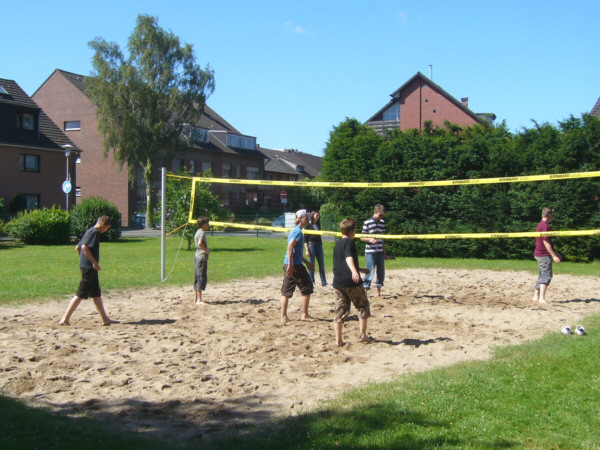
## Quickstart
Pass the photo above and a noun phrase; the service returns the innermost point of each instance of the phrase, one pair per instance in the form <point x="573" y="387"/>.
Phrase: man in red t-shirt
<point x="545" y="254"/>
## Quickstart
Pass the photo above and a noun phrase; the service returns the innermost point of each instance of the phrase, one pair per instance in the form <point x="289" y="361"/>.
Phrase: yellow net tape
<point x="527" y="234"/>
<point x="407" y="184"/>
<point x="399" y="184"/>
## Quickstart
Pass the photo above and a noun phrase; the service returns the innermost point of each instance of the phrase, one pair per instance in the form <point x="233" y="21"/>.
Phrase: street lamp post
<point x="67" y="183"/>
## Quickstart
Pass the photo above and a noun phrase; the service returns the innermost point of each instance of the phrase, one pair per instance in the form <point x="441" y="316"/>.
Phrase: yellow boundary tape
<point x="527" y="234"/>
<point x="399" y="184"/>
<point x="409" y="184"/>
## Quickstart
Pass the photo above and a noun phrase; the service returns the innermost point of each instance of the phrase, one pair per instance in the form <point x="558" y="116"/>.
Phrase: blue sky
<point x="289" y="71"/>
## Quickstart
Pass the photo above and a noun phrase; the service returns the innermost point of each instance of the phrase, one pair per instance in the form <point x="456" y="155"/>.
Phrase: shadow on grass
<point x="241" y="423"/>
<point x="127" y="240"/>
<point x="365" y="427"/>
<point x="7" y="245"/>
<point x="226" y="249"/>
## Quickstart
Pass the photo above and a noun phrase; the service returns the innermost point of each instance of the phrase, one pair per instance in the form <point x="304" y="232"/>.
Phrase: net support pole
<point x="163" y="217"/>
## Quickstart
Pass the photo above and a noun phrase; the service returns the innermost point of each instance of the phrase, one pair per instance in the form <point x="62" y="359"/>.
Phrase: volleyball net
<point x="395" y="185"/>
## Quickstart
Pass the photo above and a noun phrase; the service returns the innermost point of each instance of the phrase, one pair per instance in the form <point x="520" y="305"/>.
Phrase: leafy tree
<point x="349" y="156"/>
<point x="179" y="195"/>
<point x="145" y="100"/>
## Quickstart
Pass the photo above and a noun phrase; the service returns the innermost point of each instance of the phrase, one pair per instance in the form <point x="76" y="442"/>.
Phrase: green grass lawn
<point x="36" y="272"/>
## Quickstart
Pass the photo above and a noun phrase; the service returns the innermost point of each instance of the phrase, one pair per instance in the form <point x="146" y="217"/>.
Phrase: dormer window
<point x="198" y="135"/>
<point x="237" y="141"/>
<point x="25" y="121"/>
<point x="3" y="91"/>
<point x="392" y="113"/>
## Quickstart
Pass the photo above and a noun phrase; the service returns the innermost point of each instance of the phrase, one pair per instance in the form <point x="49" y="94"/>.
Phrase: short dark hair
<point x="104" y="220"/>
<point x="202" y="220"/>
<point x="347" y="225"/>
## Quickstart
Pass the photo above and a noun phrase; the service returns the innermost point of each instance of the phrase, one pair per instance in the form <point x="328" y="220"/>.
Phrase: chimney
<point x="431" y="72"/>
<point x="465" y="101"/>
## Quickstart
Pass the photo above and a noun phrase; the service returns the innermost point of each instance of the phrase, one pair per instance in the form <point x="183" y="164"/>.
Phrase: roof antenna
<point x="431" y="72"/>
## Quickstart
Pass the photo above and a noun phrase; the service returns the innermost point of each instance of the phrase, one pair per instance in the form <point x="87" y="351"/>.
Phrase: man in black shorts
<point x="89" y="257"/>
<point x="347" y="284"/>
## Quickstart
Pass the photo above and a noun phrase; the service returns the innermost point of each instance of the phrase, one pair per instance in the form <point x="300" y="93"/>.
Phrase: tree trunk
<point x="149" y="179"/>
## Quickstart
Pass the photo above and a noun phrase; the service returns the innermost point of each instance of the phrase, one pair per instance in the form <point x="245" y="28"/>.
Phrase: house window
<point x="177" y="165"/>
<point x="25" y="121"/>
<point x="227" y="198"/>
<point x="32" y="201"/>
<point x="239" y="172"/>
<point x="29" y="163"/>
<point x="192" y="166"/>
<point x="198" y="135"/>
<point x="72" y="125"/>
<point x="226" y="170"/>
<point x="392" y="113"/>
<point x="206" y="166"/>
<point x="252" y="173"/>
<point x="237" y="141"/>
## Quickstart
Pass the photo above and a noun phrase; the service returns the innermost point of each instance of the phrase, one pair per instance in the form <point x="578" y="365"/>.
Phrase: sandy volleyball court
<point x="172" y="367"/>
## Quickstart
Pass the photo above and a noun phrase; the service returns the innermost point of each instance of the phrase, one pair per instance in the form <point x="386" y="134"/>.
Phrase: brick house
<point x="214" y="144"/>
<point x="32" y="153"/>
<point x="287" y="165"/>
<point x="596" y="109"/>
<point x="420" y="100"/>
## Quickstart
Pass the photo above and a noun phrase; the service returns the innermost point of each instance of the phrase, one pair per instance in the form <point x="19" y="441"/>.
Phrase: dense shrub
<point x="356" y="153"/>
<point x="85" y="215"/>
<point x="48" y="226"/>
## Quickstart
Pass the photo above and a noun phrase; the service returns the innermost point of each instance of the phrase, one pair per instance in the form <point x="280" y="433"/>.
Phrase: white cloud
<point x="295" y="28"/>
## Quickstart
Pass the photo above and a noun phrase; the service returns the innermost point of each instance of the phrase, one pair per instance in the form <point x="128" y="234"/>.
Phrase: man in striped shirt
<point x="375" y="250"/>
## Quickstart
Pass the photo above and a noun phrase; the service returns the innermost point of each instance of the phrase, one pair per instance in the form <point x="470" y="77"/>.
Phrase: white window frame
<point x="72" y="125"/>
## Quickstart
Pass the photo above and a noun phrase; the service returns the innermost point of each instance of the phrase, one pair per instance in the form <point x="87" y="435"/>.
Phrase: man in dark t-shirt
<point x="89" y="257"/>
<point x="347" y="283"/>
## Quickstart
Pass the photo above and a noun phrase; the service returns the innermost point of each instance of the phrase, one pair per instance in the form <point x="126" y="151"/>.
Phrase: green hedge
<point x="356" y="152"/>
<point x="47" y="226"/>
<point x="85" y="215"/>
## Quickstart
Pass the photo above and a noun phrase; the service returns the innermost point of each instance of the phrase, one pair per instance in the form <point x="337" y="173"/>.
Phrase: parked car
<point x="279" y="222"/>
